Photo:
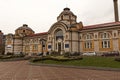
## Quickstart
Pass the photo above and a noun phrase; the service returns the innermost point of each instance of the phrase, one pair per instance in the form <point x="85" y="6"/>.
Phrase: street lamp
<point x="43" y="44"/>
<point x="22" y="37"/>
<point x="13" y="43"/>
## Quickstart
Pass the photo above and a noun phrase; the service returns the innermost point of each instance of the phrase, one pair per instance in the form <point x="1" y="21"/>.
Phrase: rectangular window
<point x="35" y="47"/>
<point x="49" y="46"/>
<point x="85" y="45"/>
<point x="66" y="45"/>
<point x="106" y="44"/>
<point x="56" y="46"/>
<point x="63" y="46"/>
<point x="88" y="44"/>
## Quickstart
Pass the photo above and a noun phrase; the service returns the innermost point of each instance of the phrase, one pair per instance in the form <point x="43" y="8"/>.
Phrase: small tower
<point x="67" y="16"/>
<point x="116" y="10"/>
<point x="23" y="31"/>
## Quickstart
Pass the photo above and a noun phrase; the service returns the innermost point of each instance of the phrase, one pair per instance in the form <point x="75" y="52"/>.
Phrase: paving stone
<point x="21" y="70"/>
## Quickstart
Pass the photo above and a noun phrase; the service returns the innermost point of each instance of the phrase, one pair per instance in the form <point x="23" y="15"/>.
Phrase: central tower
<point x="67" y="16"/>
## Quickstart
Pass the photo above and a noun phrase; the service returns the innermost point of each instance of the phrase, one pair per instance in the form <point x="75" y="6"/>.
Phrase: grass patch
<point x="10" y="57"/>
<point x="87" y="61"/>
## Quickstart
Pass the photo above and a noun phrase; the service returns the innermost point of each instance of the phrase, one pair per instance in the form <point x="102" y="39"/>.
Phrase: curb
<point x="14" y="59"/>
<point x="77" y="67"/>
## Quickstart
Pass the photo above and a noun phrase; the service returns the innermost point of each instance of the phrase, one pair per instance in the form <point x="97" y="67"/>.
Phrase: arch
<point x="88" y="36"/>
<point x="105" y="40"/>
<point x="56" y="25"/>
<point x="58" y="33"/>
<point x="88" y="42"/>
<point x="105" y="35"/>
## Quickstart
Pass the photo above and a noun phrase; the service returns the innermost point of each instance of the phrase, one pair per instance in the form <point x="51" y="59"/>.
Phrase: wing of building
<point x="65" y="35"/>
<point x="1" y="43"/>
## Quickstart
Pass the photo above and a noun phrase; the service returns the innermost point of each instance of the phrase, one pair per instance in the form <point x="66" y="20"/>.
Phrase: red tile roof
<point x="38" y="34"/>
<point x="101" y="25"/>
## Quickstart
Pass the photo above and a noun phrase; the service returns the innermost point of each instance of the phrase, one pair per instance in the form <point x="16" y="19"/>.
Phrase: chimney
<point x="116" y="10"/>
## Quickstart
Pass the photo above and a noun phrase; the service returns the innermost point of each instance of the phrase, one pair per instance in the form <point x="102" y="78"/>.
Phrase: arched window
<point x="59" y="34"/>
<point x="105" y="35"/>
<point x="88" y="37"/>
<point x="23" y="30"/>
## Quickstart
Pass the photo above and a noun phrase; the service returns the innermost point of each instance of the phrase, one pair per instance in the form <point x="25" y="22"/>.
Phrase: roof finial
<point x="67" y="8"/>
<point x="25" y="25"/>
<point x="66" y="5"/>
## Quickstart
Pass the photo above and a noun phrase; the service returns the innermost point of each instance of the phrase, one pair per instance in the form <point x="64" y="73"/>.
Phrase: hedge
<point x="55" y="59"/>
<point x="117" y="59"/>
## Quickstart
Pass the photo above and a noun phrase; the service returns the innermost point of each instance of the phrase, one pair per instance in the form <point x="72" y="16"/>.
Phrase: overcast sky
<point x="41" y="14"/>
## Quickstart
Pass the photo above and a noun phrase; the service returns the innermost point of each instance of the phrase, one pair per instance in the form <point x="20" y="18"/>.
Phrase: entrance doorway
<point x="59" y="47"/>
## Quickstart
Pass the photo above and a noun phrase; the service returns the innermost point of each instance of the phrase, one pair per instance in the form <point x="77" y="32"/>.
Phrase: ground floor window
<point x="66" y="45"/>
<point x="106" y="44"/>
<point x="49" y="46"/>
<point x="27" y="48"/>
<point x="35" y="47"/>
<point x="88" y="44"/>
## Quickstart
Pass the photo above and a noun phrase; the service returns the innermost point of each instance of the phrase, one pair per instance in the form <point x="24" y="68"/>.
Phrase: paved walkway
<point x="20" y="70"/>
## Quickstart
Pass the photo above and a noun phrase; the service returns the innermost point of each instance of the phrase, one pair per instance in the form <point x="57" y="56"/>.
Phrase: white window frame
<point x="106" y="44"/>
<point x="88" y="44"/>
<point x="88" y="41"/>
<point x="105" y="40"/>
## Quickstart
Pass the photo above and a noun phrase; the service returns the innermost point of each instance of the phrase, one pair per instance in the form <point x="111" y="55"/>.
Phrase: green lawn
<point x="87" y="61"/>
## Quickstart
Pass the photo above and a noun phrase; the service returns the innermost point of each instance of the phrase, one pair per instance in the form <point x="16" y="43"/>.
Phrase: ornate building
<point x="67" y="35"/>
<point x="14" y="42"/>
<point x="100" y="38"/>
<point x="25" y="41"/>
<point x="63" y="36"/>
<point x="35" y="43"/>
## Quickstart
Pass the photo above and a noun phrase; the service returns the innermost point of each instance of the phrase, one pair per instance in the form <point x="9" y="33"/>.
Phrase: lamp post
<point x="22" y="37"/>
<point x="13" y="43"/>
<point x="43" y="45"/>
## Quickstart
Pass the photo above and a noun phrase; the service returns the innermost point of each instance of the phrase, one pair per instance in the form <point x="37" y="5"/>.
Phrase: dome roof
<point x="67" y="16"/>
<point x="23" y="31"/>
<point x="66" y="11"/>
<point x="24" y="27"/>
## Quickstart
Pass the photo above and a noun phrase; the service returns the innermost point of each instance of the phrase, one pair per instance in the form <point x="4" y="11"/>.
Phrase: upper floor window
<point x="35" y="47"/>
<point x="114" y="34"/>
<point x="105" y="40"/>
<point x="88" y="37"/>
<point x="88" y="41"/>
<point x="66" y="36"/>
<point x="43" y="43"/>
<point x="59" y="34"/>
<point x="23" y="30"/>
<point x="105" y="35"/>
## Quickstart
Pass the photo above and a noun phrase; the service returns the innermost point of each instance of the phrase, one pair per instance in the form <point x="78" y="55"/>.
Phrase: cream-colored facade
<point x="78" y="38"/>
<point x="35" y="44"/>
<point x="14" y="42"/>
<point x="100" y="38"/>
<point x="66" y="35"/>
<point x="26" y="41"/>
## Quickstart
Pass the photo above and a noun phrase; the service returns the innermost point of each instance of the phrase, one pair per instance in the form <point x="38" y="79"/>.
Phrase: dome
<point x="66" y="11"/>
<point x="24" y="30"/>
<point x="25" y="26"/>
